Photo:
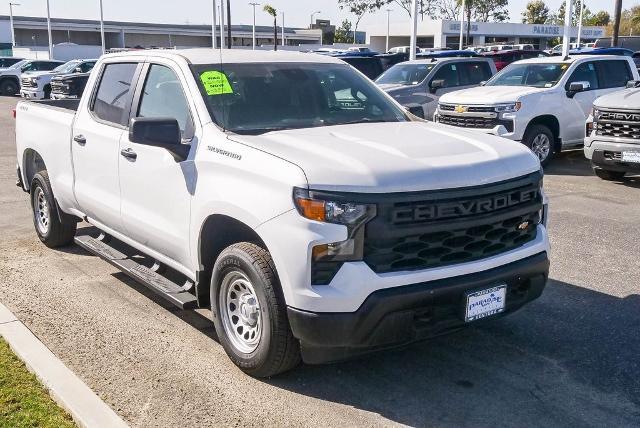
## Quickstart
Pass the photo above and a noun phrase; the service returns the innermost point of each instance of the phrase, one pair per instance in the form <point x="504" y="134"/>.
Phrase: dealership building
<point x="31" y="34"/>
<point x="444" y="33"/>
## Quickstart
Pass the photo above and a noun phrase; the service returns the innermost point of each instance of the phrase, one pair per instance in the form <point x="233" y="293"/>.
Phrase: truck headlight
<point x="508" y="108"/>
<point x="327" y="208"/>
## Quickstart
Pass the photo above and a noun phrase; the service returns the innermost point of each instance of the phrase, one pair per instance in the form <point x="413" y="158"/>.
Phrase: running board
<point x="164" y="287"/>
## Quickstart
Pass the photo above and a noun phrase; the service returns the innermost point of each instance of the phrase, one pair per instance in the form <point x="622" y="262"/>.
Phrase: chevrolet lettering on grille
<point x="628" y="117"/>
<point x="437" y="211"/>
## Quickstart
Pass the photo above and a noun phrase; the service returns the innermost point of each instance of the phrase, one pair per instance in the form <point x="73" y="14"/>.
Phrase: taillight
<point x="14" y="113"/>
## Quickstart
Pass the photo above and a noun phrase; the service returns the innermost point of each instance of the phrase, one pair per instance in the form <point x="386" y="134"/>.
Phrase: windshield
<point x="19" y="64"/>
<point x="534" y="75"/>
<point x="67" y="67"/>
<point x="257" y="98"/>
<point x="405" y="74"/>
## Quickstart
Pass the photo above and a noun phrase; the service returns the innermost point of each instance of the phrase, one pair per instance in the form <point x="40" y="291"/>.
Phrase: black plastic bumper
<point x="402" y="315"/>
<point x="599" y="160"/>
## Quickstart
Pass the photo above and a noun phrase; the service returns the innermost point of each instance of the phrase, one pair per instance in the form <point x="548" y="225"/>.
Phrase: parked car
<point x="403" y="49"/>
<point x="389" y="60"/>
<point x="37" y="85"/>
<point x="504" y="58"/>
<point x="362" y="50"/>
<point x="612" y="142"/>
<point x="524" y="47"/>
<point x="495" y="48"/>
<point x="636" y="59"/>
<point x="602" y="51"/>
<point x="541" y="102"/>
<point x="628" y="42"/>
<point x="445" y="53"/>
<point x="370" y="66"/>
<point x="10" y="77"/>
<point x="8" y="61"/>
<point x="291" y="195"/>
<point x="66" y="86"/>
<point x="557" y="49"/>
<point x="419" y="84"/>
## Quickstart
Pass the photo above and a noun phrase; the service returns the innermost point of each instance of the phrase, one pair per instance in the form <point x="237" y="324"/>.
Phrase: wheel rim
<point x="541" y="146"/>
<point x="41" y="212"/>
<point x="240" y="312"/>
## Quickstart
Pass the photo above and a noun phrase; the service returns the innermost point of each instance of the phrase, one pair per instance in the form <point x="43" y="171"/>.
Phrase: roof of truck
<point x="559" y="59"/>
<point x="212" y="56"/>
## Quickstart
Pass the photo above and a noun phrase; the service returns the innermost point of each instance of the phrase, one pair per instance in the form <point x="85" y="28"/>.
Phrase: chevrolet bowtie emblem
<point x="461" y="109"/>
<point x="523" y="225"/>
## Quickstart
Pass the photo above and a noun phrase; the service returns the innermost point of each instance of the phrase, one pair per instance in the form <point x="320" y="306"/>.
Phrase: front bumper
<point x="399" y="316"/>
<point x="606" y="153"/>
<point x="55" y="96"/>
<point x="499" y="130"/>
<point x="32" y="94"/>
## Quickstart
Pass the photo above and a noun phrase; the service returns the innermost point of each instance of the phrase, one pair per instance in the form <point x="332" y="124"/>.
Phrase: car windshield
<point x="534" y="75"/>
<point x="67" y="67"/>
<point x="19" y="64"/>
<point x="405" y="74"/>
<point x="256" y="98"/>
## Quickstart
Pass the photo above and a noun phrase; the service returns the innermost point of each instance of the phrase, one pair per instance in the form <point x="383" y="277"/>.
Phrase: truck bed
<point x="70" y="104"/>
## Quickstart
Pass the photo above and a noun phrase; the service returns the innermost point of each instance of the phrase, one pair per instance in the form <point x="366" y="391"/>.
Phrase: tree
<point x="491" y="10"/>
<point x="536" y="12"/>
<point x="273" y="12"/>
<point x="558" y="18"/>
<point x="449" y="9"/>
<point x="628" y="25"/>
<point x="359" y="8"/>
<point x="425" y="7"/>
<point x="343" y="33"/>
<point x="598" y="19"/>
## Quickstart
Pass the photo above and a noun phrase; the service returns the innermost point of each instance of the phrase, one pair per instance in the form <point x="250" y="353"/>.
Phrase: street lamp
<point x="13" y="32"/>
<point x="388" y="13"/>
<point x="254" y="23"/>
<point x="580" y="24"/>
<point x="283" y="43"/>
<point x="461" y="25"/>
<point x="49" y="31"/>
<point x="102" y="28"/>
<point x="414" y="29"/>
<point x="214" y="19"/>
<point x="317" y="11"/>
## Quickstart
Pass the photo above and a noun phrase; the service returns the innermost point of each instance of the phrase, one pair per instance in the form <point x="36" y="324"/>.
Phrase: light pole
<point x="388" y="13"/>
<point x="222" y="33"/>
<point x="13" y="31"/>
<point x="214" y="18"/>
<point x="317" y="11"/>
<point x="414" y="29"/>
<point x="104" y="48"/>
<point x="49" y="31"/>
<point x="580" y="24"/>
<point x="568" y="11"/>
<point x="254" y="23"/>
<point x="283" y="43"/>
<point x="461" y="25"/>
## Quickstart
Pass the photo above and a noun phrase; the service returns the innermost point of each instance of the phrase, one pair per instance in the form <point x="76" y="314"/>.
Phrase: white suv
<point x="541" y="102"/>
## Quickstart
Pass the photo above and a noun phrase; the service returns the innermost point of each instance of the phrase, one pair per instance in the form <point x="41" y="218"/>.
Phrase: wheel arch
<point x="32" y="162"/>
<point x="218" y="231"/>
<point x="551" y="122"/>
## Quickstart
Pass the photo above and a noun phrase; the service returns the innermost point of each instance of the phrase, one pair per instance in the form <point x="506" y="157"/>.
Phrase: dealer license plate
<point x="631" y="157"/>
<point x="484" y="303"/>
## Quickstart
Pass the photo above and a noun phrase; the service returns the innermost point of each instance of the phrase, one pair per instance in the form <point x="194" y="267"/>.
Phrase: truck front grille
<point x="424" y="230"/>
<point x="26" y="82"/>
<point x="475" y="122"/>
<point x="618" y="124"/>
<point x="59" y="87"/>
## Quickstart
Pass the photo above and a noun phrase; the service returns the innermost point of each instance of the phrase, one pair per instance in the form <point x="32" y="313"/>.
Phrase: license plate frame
<point x="631" y="156"/>
<point x="478" y="307"/>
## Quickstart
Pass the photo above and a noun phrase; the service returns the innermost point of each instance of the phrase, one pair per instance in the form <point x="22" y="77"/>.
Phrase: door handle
<point x="129" y="153"/>
<point x="80" y="139"/>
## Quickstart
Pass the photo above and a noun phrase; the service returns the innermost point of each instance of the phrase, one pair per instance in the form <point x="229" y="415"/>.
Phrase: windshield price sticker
<point x="216" y="83"/>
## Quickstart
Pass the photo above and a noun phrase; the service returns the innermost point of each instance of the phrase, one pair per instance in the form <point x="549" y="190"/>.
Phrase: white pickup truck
<point x="541" y="102"/>
<point x="291" y="195"/>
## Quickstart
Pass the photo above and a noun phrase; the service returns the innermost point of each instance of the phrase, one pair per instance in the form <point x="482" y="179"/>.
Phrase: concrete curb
<point x="66" y="389"/>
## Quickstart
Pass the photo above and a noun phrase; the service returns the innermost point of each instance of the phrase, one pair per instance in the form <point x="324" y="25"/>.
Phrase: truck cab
<point x="541" y="102"/>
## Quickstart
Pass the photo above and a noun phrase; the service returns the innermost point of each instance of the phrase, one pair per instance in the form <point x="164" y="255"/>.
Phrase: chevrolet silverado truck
<point x="10" y="76"/>
<point x="68" y="86"/>
<point x="37" y="85"/>
<point x="612" y="142"/>
<point x="290" y="195"/>
<point x="541" y="102"/>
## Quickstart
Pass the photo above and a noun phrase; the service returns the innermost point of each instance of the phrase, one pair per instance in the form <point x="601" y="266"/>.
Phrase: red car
<point x="504" y="58"/>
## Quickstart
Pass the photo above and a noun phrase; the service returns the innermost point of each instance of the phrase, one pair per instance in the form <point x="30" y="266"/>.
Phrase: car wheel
<point x="54" y="228"/>
<point x="609" y="175"/>
<point x="9" y="87"/>
<point x="249" y="312"/>
<point x="47" y="92"/>
<point x="540" y="141"/>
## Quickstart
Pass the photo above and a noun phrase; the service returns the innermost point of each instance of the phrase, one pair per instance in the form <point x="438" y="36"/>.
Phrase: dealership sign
<point x="547" y="30"/>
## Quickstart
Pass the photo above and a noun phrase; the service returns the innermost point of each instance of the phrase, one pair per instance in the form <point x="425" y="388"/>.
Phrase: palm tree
<point x="272" y="11"/>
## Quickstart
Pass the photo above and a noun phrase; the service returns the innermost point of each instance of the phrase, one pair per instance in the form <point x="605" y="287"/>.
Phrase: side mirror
<point x="632" y="84"/>
<point x="483" y="82"/>
<point x="161" y="132"/>
<point x="575" y="87"/>
<point x="435" y="85"/>
<point x="415" y="110"/>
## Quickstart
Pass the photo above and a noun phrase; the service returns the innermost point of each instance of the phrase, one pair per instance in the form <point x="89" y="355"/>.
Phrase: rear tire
<point x="54" y="228"/>
<point x="540" y="141"/>
<point x="9" y="87"/>
<point x="47" y="92"/>
<point x="609" y="175"/>
<point x="249" y="312"/>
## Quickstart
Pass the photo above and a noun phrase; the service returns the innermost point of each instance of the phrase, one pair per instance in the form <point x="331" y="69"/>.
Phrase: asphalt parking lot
<point x="569" y="359"/>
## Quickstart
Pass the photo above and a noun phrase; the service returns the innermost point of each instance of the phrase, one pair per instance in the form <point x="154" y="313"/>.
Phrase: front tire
<point x="249" y="312"/>
<point x="540" y="141"/>
<point x="9" y="87"/>
<point x="609" y="175"/>
<point x="53" y="229"/>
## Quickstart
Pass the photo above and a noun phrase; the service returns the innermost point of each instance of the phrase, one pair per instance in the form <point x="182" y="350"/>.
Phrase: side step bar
<point x="166" y="288"/>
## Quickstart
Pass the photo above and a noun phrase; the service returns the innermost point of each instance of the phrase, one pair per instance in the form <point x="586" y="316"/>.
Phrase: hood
<point x="626" y="99"/>
<point x="38" y="73"/>
<point x="387" y="87"/>
<point x="489" y="94"/>
<point x="395" y="157"/>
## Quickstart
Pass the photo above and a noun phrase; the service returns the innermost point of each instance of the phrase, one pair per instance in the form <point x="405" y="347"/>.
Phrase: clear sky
<point x="297" y="12"/>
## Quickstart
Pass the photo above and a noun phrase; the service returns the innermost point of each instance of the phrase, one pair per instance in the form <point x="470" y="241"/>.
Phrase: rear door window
<point x="613" y="73"/>
<point x="112" y="100"/>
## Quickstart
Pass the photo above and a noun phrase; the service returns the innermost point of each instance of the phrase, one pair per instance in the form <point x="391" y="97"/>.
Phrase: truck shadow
<point x="568" y="359"/>
<point x="573" y="163"/>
